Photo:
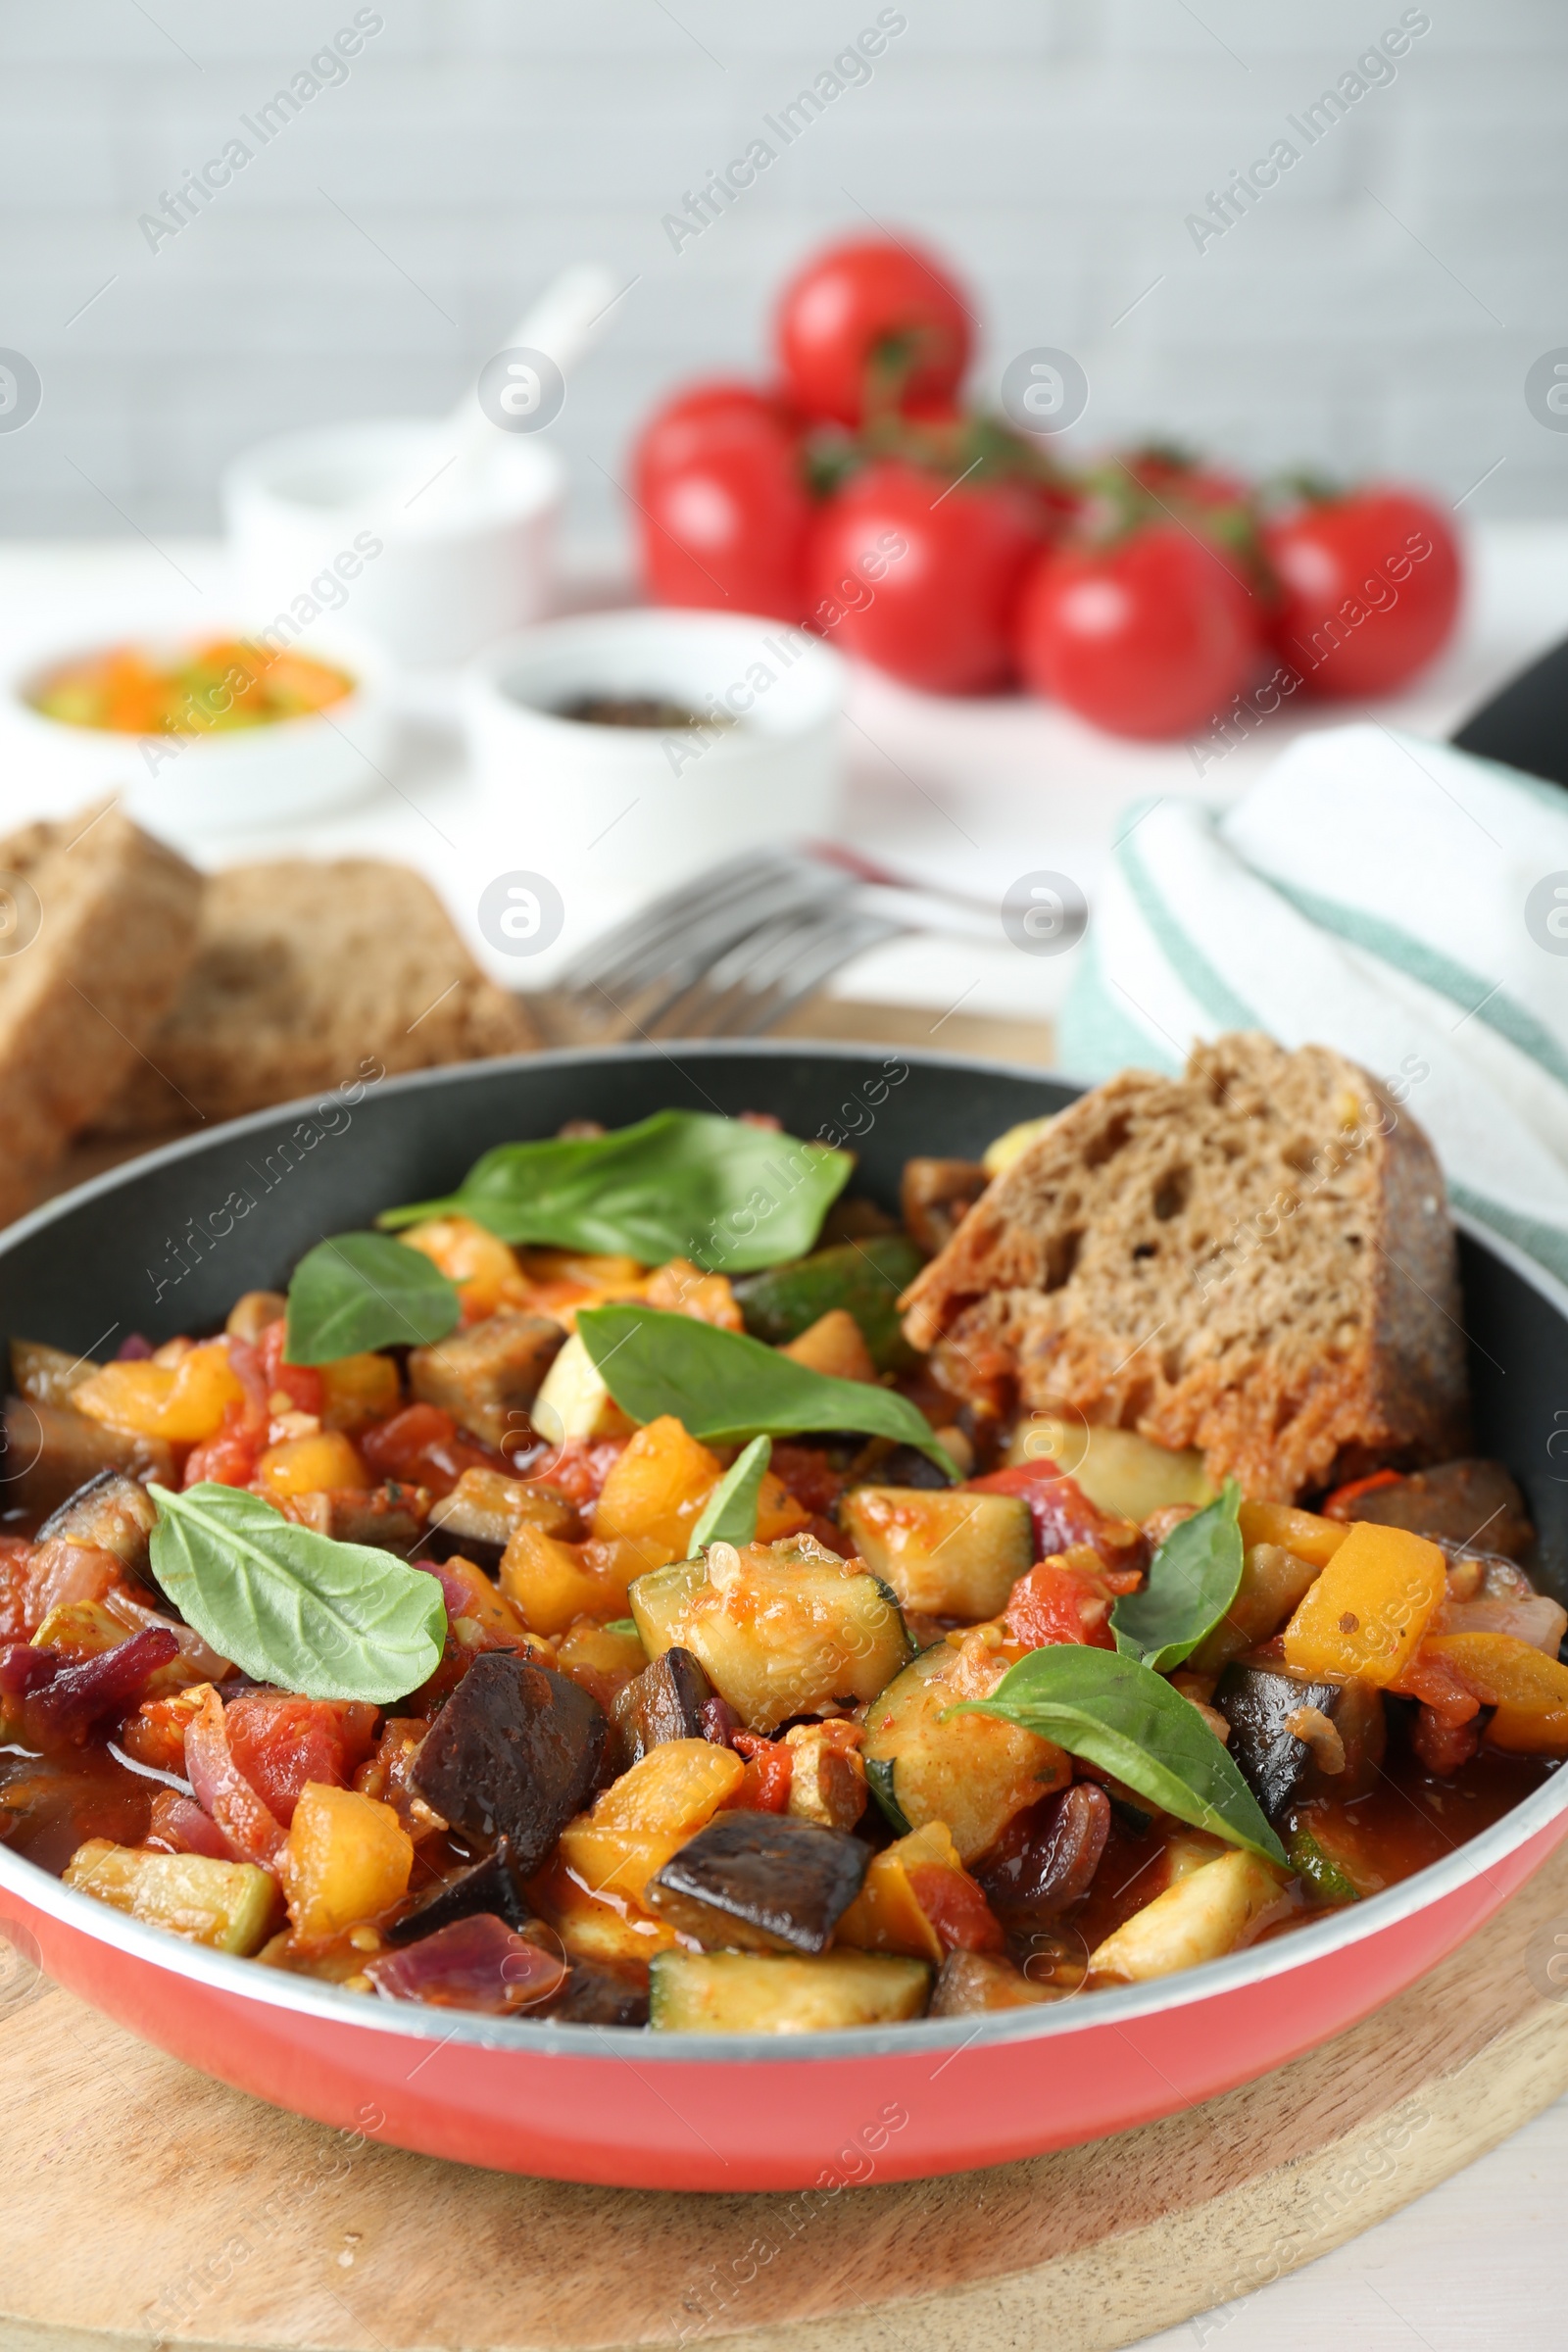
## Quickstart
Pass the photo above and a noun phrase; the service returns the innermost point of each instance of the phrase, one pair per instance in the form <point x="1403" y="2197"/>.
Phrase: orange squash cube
<point x="484" y="1269"/>
<point x="553" y="1583"/>
<point x="357" y="1389"/>
<point x="656" y="1490"/>
<point x="1309" y="1536"/>
<point x="834" y="1345"/>
<point x="347" y="1859"/>
<point x="183" y="1402"/>
<point x="489" y="1606"/>
<point x="321" y="1464"/>
<point x="1369" y="1608"/>
<point x="1502" y="1671"/>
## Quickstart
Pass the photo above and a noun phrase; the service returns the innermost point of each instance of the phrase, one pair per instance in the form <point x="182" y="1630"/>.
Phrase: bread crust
<point x="101" y="929"/>
<point x="304" y="973"/>
<point x="1255" y="1258"/>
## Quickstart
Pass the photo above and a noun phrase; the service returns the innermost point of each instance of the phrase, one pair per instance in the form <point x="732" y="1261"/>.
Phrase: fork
<point x="730" y="952"/>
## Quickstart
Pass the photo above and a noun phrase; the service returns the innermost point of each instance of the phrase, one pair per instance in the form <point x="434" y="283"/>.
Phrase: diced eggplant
<point x="389" y="1518"/>
<point x="935" y="1194"/>
<point x="491" y="1885"/>
<point x="230" y="1906"/>
<point x="970" y="1983"/>
<point x="51" y="1452"/>
<point x="112" y="1514"/>
<point x="946" y="1554"/>
<point x="598" y="1996"/>
<point x="487" y="1376"/>
<point x="924" y="1763"/>
<point x="827" y="1778"/>
<point x="1260" y="1703"/>
<point x="758" y="1993"/>
<point x="1046" y="1859"/>
<point x="760" y="1882"/>
<point x="779" y="1629"/>
<point x="863" y="1278"/>
<point x="665" y="1702"/>
<point x="515" y="1752"/>
<point x="484" y="1508"/>
<point x="1468" y="1502"/>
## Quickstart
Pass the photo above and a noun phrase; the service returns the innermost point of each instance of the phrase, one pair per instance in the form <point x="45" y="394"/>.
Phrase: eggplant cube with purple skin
<point x="760" y="1882"/>
<point x="515" y="1752"/>
<point x="1267" y="1710"/>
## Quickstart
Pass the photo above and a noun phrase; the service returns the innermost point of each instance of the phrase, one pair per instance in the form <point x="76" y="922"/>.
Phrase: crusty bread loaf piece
<point x="303" y="972"/>
<point x="97" y="931"/>
<point x="1255" y="1258"/>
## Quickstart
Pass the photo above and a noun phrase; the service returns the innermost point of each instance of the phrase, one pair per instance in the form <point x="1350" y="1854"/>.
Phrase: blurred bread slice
<point x="304" y="971"/>
<point x="98" y="926"/>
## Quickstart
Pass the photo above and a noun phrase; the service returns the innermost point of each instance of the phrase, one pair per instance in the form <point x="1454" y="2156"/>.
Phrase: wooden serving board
<point x="147" y="2205"/>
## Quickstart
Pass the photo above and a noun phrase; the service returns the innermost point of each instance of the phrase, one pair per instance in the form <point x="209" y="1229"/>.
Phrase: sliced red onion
<point x="80" y="1693"/>
<point x="476" y="1962"/>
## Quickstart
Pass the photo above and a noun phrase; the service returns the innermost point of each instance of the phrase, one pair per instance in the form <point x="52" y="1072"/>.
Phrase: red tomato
<point x="1146" y="636"/>
<point x="421" y="1447"/>
<point x="957" y="1910"/>
<point x="721" y="504"/>
<point x="300" y="1382"/>
<point x="769" y="1772"/>
<point x="920" y="578"/>
<point x="279" y="1743"/>
<point x="1057" y="1603"/>
<point x="229" y="1459"/>
<point x="1065" y="1519"/>
<point x="1370" y="586"/>
<point x="870" y="325"/>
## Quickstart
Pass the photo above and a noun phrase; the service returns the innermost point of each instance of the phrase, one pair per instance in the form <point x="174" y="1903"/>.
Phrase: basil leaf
<point x="864" y="1278"/>
<point x="293" y="1607"/>
<point x="726" y="1195"/>
<point x="360" y="1290"/>
<point x="729" y="1516"/>
<point x="1192" y="1579"/>
<point x="1126" y="1719"/>
<point x="724" y="1387"/>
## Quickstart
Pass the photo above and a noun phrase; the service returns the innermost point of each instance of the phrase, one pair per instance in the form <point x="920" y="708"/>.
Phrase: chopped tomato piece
<point x="765" y="1786"/>
<point x="421" y="1447"/>
<point x="963" y="1920"/>
<point x="1063" y="1515"/>
<point x="302" y="1383"/>
<point x="229" y="1459"/>
<point x="809" y="1477"/>
<point x="16" y="1622"/>
<point x="579" y="1468"/>
<point x="279" y="1743"/>
<point x="1065" y="1599"/>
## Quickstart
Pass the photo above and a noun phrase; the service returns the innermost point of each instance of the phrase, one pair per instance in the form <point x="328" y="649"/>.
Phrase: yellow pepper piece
<point x="656" y="1490"/>
<point x="1368" y="1611"/>
<point x="1530" y="1731"/>
<point x="885" y="1916"/>
<point x="183" y="1402"/>
<point x="1500" y="1670"/>
<point x="1310" y="1538"/>
<point x="357" y="1389"/>
<point x="325" y="1463"/>
<point x="554" y="1582"/>
<point x="348" y="1857"/>
<point x="484" y="1269"/>
<point x="676" y="1787"/>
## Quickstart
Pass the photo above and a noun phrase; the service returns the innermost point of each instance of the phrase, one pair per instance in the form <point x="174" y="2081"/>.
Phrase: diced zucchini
<point x="1325" y="1881"/>
<point x="574" y="1400"/>
<point x="47" y="1375"/>
<point x="1125" y="1474"/>
<point x="1200" y="1917"/>
<point x="944" y="1551"/>
<point x="1273" y="1581"/>
<point x="779" y="1629"/>
<point x="864" y="1278"/>
<point x="755" y="1992"/>
<point x="233" y="1906"/>
<point x="974" y="1772"/>
<point x="84" y="1628"/>
<point x="971" y="1983"/>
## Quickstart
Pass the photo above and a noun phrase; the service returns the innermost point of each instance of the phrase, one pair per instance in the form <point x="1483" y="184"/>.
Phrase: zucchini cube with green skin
<point x="779" y="1629"/>
<point x="945" y="1552"/>
<point x="924" y="1763"/>
<point x="229" y="1906"/>
<point x="758" y="1993"/>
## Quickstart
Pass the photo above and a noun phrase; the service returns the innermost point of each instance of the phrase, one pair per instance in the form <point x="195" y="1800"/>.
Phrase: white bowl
<point x="188" y="787"/>
<point x="436" y="578"/>
<point x="588" y="804"/>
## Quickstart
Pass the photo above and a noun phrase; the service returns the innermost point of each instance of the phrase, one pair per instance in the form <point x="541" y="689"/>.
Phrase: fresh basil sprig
<point x="363" y="1289"/>
<point x="1129" y="1721"/>
<point x="729" y="1516"/>
<point x="726" y="1195"/>
<point x="724" y="1387"/>
<point x="291" y="1606"/>
<point x="1193" y="1580"/>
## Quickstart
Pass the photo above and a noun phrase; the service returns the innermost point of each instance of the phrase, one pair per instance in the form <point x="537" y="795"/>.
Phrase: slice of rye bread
<point x="100" y="926"/>
<point x="1255" y="1258"/>
<point x="304" y="974"/>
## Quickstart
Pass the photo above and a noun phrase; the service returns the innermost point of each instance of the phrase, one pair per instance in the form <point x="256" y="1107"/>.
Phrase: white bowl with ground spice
<point x="638" y="747"/>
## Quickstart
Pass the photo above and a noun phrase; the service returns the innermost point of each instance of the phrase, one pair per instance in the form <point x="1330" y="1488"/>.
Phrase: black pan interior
<point x="168" y="1244"/>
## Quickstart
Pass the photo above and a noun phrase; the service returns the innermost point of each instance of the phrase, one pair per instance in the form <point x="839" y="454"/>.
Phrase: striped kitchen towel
<point x="1393" y="898"/>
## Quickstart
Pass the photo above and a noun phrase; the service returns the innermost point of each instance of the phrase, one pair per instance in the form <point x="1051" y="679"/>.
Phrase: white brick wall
<point x="1053" y="147"/>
